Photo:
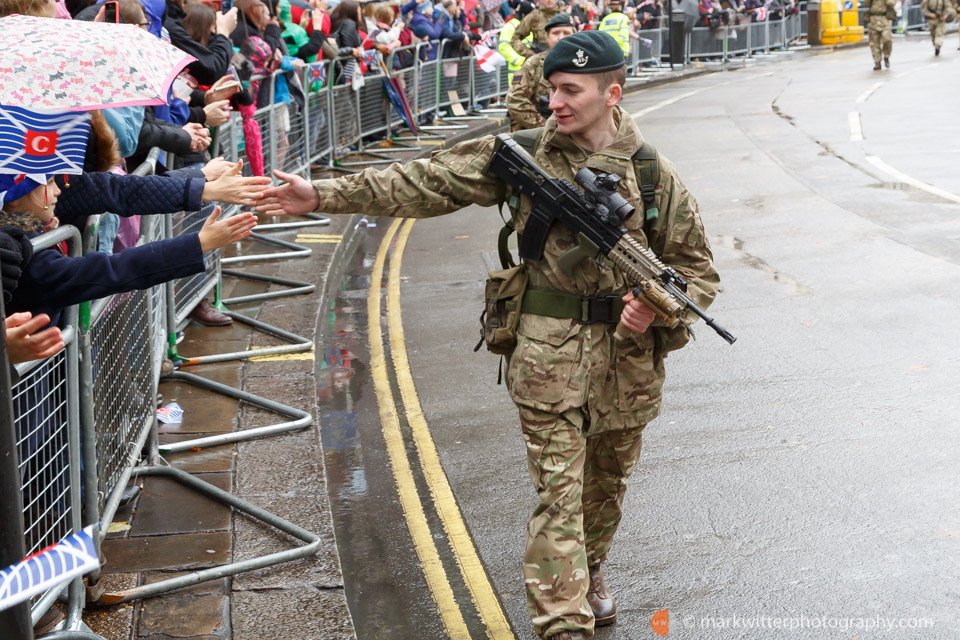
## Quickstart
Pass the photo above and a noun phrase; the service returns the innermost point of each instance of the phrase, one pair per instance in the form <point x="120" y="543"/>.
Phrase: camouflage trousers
<point x="880" y="31"/>
<point x="937" y="29"/>
<point x="581" y="479"/>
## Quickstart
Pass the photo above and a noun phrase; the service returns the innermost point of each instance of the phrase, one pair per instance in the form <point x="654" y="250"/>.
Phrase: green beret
<point x="584" y="52"/>
<point x="559" y="20"/>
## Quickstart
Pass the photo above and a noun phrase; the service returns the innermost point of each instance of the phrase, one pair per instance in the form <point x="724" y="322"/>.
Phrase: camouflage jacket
<point x="880" y="7"/>
<point x="525" y="94"/>
<point x="533" y="22"/>
<point x="937" y="9"/>
<point x="558" y="364"/>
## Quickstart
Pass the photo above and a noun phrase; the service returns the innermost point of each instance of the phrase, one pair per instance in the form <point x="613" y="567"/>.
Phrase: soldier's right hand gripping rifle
<point x="596" y="215"/>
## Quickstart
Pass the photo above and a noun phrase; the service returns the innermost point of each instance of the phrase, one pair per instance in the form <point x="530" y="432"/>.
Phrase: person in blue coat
<point x="423" y="25"/>
<point x="52" y="281"/>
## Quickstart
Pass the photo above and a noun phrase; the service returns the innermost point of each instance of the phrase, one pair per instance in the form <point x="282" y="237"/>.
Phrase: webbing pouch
<point x="502" y="298"/>
<point x="646" y="163"/>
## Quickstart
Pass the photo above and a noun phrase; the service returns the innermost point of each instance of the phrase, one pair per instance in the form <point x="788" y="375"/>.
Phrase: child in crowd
<point x="52" y="280"/>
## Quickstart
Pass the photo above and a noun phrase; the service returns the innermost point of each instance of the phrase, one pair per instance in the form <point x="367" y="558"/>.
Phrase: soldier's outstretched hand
<point x="294" y="198"/>
<point x="636" y="316"/>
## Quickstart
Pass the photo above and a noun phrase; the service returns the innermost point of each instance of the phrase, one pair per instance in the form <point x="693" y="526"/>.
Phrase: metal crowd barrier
<point x="755" y="38"/>
<point x="912" y="19"/>
<point x="46" y="410"/>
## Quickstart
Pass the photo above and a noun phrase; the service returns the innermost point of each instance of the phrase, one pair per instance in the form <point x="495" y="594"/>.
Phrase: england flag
<point x="42" y="143"/>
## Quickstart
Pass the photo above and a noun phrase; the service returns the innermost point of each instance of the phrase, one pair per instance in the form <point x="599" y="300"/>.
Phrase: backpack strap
<point x="528" y="139"/>
<point x="646" y="162"/>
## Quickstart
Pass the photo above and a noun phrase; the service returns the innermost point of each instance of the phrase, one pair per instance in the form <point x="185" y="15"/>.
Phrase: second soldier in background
<point x="529" y="96"/>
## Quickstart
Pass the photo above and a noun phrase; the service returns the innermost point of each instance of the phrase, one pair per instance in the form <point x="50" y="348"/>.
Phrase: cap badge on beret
<point x="581" y="60"/>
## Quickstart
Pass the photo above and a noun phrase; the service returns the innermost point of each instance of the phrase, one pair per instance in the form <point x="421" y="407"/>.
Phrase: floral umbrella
<point x="70" y="65"/>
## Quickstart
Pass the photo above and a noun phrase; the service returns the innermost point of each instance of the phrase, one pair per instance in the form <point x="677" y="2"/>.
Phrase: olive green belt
<point x="586" y="309"/>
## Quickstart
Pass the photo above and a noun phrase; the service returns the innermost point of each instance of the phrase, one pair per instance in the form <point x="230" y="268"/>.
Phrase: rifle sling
<point x="585" y="309"/>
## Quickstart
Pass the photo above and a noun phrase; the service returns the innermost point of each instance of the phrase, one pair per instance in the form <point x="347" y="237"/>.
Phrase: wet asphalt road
<point x="809" y="473"/>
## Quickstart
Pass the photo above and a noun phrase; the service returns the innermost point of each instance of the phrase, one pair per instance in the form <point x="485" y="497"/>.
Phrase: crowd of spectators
<point x="247" y="55"/>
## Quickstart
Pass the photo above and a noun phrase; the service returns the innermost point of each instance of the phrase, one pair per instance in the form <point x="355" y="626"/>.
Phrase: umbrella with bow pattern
<point x="68" y="65"/>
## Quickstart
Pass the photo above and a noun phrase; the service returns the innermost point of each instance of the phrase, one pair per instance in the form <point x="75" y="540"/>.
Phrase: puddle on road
<point x="383" y="579"/>
<point x="760" y="264"/>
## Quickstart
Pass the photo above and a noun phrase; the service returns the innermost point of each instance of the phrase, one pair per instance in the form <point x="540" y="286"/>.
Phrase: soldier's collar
<point x="624" y="145"/>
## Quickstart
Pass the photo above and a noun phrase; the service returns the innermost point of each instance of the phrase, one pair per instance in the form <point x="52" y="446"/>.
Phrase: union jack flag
<point x="42" y="143"/>
<point x="73" y="556"/>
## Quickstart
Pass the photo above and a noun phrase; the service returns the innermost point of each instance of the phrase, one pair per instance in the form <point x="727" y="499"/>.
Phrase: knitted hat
<point x="14" y="187"/>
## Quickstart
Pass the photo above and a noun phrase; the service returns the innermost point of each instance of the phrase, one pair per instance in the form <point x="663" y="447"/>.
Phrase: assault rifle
<point x="596" y="215"/>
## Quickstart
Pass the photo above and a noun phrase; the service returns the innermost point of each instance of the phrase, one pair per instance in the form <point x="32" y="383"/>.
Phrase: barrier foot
<point x="299" y="287"/>
<point x="313" y="220"/>
<point x="366" y="163"/>
<point x="378" y="158"/>
<point x="442" y="127"/>
<point x="298" y="344"/>
<point x="296" y="251"/>
<point x="398" y="148"/>
<point x="393" y="145"/>
<point x="79" y="634"/>
<point x="221" y="571"/>
<point x="412" y="138"/>
<point x="299" y="419"/>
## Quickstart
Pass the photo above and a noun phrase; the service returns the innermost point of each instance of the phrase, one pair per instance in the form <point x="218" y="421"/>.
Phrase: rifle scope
<point x="602" y="189"/>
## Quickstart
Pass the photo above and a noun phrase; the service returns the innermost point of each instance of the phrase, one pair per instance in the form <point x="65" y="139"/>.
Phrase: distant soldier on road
<point x="529" y="96"/>
<point x="583" y="397"/>
<point x="938" y="14"/>
<point x="534" y="23"/>
<point x="880" y="29"/>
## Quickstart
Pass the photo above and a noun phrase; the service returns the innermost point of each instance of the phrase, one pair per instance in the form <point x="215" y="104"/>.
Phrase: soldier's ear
<point x="613" y="94"/>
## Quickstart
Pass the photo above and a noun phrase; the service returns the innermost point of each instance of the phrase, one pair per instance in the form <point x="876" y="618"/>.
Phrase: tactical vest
<point x="646" y="164"/>
<point x="618" y="26"/>
<point x="559" y="304"/>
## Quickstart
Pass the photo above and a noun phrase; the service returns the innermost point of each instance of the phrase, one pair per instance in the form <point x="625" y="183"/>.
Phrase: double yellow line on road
<point x="481" y="591"/>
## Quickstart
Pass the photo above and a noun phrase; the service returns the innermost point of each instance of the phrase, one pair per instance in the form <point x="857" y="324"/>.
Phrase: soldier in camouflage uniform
<point x="534" y="22"/>
<point x="583" y="398"/>
<point x="938" y="14"/>
<point x="529" y="95"/>
<point x="880" y="30"/>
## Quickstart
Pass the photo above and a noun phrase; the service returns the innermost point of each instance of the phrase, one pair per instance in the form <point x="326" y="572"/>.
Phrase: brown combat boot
<point x="601" y="602"/>
<point x="567" y="635"/>
<point x="886" y="61"/>
<point x="876" y="66"/>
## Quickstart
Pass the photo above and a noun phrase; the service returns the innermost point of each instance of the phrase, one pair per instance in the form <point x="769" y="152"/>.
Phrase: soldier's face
<point x="549" y="4"/>
<point x="556" y="34"/>
<point x="578" y="103"/>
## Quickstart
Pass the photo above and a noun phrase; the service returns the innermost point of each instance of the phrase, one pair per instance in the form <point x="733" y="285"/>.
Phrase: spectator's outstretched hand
<point x="219" y="233"/>
<point x="294" y="198"/>
<point x="216" y="168"/>
<point x="222" y="89"/>
<point x="199" y="136"/>
<point x="232" y="188"/>
<point x="217" y="113"/>
<point x="25" y="341"/>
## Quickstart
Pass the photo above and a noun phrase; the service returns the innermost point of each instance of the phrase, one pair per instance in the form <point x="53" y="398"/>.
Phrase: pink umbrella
<point x="77" y="66"/>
